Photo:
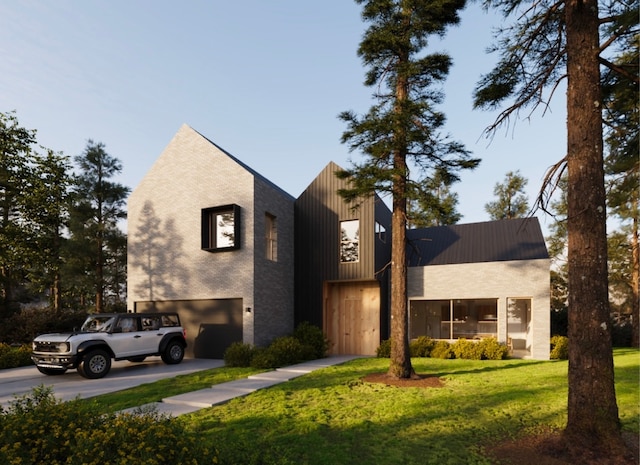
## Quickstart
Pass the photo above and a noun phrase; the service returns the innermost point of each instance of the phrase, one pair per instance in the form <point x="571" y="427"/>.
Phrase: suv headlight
<point x="63" y="347"/>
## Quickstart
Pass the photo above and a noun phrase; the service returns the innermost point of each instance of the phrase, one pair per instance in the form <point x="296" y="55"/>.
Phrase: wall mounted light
<point x="248" y="310"/>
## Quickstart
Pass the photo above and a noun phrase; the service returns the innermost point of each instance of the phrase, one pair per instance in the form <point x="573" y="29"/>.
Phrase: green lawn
<point x="332" y="417"/>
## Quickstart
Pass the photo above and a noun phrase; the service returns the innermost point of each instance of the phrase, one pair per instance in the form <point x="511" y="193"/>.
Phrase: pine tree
<point x="511" y="201"/>
<point x="399" y="136"/>
<point x="98" y="206"/>
<point x="551" y="41"/>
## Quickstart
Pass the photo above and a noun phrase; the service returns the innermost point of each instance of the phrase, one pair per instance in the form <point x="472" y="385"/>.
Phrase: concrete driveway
<point x="19" y="381"/>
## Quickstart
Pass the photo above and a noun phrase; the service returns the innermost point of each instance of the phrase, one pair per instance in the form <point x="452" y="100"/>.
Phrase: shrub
<point x="14" y="356"/>
<point x="421" y="347"/>
<point x="442" y="349"/>
<point x="312" y="337"/>
<point x="559" y="348"/>
<point x="239" y="355"/>
<point x="286" y="350"/>
<point x="37" y="428"/>
<point x="491" y="349"/>
<point x="463" y="348"/>
<point x="384" y="349"/>
<point x="23" y="327"/>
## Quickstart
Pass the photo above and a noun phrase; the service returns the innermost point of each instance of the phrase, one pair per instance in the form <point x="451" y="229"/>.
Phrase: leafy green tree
<point x="548" y="42"/>
<point x="511" y="200"/>
<point x="98" y="206"/>
<point x="400" y="135"/>
<point x="15" y="151"/>
<point x="46" y="203"/>
<point x="436" y="207"/>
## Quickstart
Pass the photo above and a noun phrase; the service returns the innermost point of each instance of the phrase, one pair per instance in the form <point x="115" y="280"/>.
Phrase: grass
<point x="156" y="391"/>
<point x="333" y="417"/>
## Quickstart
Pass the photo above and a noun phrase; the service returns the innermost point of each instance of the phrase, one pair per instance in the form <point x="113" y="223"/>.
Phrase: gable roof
<point x="244" y="165"/>
<point x="491" y="241"/>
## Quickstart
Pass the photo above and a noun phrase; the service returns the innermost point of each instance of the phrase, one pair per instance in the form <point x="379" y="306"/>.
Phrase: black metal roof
<point x="491" y="241"/>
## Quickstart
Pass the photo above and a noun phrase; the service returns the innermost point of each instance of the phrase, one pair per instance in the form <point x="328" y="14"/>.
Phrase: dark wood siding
<point x="318" y="213"/>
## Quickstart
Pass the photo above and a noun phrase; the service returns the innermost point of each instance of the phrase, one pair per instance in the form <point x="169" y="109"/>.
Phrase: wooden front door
<point x="352" y="317"/>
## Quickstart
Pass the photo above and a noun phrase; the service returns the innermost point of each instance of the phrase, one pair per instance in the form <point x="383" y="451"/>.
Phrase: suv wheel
<point x="173" y="353"/>
<point x="95" y="364"/>
<point x="52" y="371"/>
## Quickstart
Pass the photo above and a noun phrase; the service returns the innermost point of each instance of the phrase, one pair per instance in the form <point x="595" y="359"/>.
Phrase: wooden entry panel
<point x="352" y="317"/>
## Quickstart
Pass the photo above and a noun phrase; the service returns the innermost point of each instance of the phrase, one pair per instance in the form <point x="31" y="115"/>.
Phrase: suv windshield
<point x="97" y="323"/>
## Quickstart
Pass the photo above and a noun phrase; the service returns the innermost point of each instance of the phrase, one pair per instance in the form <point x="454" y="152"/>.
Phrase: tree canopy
<point x="400" y="136"/>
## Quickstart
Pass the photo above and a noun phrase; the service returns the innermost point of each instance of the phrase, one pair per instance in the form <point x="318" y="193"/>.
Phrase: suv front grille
<point x="44" y="346"/>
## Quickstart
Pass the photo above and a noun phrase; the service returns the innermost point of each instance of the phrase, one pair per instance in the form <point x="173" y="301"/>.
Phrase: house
<point x="242" y="260"/>
<point x="477" y="280"/>
<point x="212" y="239"/>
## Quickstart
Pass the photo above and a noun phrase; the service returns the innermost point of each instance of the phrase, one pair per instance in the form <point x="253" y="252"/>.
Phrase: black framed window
<point x="221" y="228"/>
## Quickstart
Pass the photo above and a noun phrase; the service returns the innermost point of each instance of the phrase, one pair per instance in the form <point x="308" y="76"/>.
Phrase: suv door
<point x="125" y="338"/>
<point x="151" y="334"/>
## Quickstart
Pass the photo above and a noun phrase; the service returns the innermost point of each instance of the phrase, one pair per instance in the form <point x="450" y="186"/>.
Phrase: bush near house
<point x="308" y="342"/>
<point x="559" y="348"/>
<point x="486" y="349"/>
<point x="38" y="428"/>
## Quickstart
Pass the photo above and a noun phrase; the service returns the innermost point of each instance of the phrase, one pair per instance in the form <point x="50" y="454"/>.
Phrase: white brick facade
<point x="165" y="259"/>
<point x="492" y="280"/>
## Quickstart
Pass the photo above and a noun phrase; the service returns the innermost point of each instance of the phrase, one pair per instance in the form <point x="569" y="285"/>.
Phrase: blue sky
<point x="263" y="80"/>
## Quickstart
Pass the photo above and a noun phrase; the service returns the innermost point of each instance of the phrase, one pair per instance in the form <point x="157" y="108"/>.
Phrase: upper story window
<point x="270" y="237"/>
<point x="221" y="228"/>
<point x="349" y="241"/>
<point x="381" y="232"/>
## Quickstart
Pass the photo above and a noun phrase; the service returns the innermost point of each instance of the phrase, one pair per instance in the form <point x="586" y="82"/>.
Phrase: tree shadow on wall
<point x="156" y="250"/>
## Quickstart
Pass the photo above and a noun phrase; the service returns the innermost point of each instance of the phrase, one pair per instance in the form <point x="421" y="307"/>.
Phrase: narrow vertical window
<point x="271" y="237"/>
<point x="349" y="241"/>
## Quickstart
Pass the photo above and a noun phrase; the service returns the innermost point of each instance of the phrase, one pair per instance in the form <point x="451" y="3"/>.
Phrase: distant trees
<point x="98" y="205"/>
<point x="511" y="200"/>
<point x="400" y="135"/>
<point x="58" y="232"/>
<point x="437" y="206"/>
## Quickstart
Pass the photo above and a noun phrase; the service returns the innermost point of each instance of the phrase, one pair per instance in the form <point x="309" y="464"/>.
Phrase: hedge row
<point x="307" y="343"/>
<point x="38" y="429"/>
<point x="485" y="349"/>
<point x="14" y="356"/>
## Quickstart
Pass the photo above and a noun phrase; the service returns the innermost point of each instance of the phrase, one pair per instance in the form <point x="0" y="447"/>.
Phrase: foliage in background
<point x="12" y="356"/>
<point x="511" y="201"/>
<point x="38" y="429"/>
<point x="61" y="244"/>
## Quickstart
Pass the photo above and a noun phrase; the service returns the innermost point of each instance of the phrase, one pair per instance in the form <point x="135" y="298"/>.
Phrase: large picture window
<point x="454" y="319"/>
<point x="221" y="228"/>
<point x="349" y="241"/>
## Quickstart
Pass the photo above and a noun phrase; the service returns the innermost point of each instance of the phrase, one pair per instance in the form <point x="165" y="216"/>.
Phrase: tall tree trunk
<point x="400" y="366"/>
<point x="635" y="280"/>
<point x="592" y="410"/>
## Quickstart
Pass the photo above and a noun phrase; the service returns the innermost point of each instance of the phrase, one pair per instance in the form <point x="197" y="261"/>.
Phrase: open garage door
<point x="212" y="324"/>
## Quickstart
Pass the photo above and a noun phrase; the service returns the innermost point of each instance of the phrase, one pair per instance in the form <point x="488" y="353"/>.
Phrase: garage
<point x="212" y="325"/>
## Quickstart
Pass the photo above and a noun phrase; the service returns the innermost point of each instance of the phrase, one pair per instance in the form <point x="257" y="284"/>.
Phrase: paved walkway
<point x="223" y="392"/>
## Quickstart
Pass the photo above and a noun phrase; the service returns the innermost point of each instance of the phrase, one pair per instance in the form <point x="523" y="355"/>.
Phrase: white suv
<point x="106" y="336"/>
